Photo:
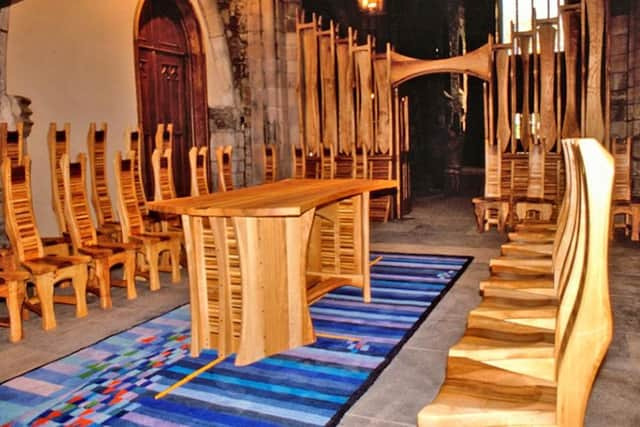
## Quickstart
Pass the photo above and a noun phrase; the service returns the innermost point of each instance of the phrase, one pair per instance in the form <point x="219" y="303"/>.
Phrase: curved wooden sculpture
<point x="476" y="63"/>
<point x="571" y="25"/>
<point x="594" y="116"/>
<point x="548" y="132"/>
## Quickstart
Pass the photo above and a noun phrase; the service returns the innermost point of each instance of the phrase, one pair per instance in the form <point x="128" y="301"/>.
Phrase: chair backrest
<point x="199" y="162"/>
<point x="78" y="214"/>
<point x="535" y="183"/>
<point x="298" y="162"/>
<point x="131" y="220"/>
<point x="270" y="163"/>
<point x="58" y="141"/>
<point x="162" y="175"/>
<point x="134" y="143"/>
<point x="12" y="143"/>
<point x="164" y="136"/>
<point x="223" y="160"/>
<point x="327" y="162"/>
<point x="97" y="145"/>
<point x="621" y="150"/>
<point x="590" y="324"/>
<point x="361" y="163"/>
<point x="493" y="167"/>
<point x="20" y="222"/>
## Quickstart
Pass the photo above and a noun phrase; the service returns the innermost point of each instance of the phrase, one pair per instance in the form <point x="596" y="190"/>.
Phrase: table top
<point x="289" y="197"/>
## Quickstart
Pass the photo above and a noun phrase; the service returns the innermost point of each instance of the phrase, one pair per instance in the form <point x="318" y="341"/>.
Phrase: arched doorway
<point x="171" y="83"/>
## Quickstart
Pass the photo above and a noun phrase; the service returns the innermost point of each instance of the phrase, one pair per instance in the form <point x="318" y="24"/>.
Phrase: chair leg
<point x="44" y="287"/>
<point x="103" y="275"/>
<point x="175" y="262"/>
<point x="154" y="274"/>
<point x="79" y="283"/>
<point x="130" y="275"/>
<point x="14" y="304"/>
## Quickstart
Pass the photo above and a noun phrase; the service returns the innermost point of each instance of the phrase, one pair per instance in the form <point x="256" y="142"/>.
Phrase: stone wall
<point x="624" y="75"/>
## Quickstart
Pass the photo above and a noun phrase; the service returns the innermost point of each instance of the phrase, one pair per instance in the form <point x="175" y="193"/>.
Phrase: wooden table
<point x="258" y="256"/>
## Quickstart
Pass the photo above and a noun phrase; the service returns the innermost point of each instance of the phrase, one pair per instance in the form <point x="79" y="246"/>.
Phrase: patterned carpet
<point x="113" y="382"/>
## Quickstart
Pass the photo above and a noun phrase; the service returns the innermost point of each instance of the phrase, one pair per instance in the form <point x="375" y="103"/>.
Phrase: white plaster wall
<point x="75" y="60"/>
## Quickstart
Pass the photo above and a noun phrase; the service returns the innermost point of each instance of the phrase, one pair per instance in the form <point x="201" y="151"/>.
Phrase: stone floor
<point x="436" y="225"/>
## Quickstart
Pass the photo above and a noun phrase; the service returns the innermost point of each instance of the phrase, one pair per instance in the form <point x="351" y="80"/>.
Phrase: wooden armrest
<point x="118" y="245"/>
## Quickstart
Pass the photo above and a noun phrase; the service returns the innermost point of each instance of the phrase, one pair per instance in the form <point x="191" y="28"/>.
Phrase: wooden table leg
<point x="192" y="227"/>
<point x="273" y="256"/>
<point x="364" y="246"/>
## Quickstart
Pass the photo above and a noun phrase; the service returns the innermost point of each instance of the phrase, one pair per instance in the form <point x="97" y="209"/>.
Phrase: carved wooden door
<point x="165" y="88"/>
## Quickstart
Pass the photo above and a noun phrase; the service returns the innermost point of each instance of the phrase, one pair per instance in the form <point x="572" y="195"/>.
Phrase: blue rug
<point x="113" y="381"/>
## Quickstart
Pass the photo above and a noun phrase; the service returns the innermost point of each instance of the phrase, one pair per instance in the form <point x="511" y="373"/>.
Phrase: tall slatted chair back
<point x="199" y="162"/>
<point x="327" y="162"/>
<point x="58" y="141"/>
<point x="18" y="210"/>
<point x="361" y="163"/>
<point x="164" y="136"/>
<point x="12" y="143"/>
<point x="223" y="160"/>
<point x="97" y="145"/>
<point x="590" y="324"/>
<point x="270" y="163"/>
<point x="621" y="150"/>
<point x="134" y="143"/>
<point x="128" y="207"/>
<point x="78" y="215"/>
<point x="298" y="162"/>
<point x="163" y="175"/>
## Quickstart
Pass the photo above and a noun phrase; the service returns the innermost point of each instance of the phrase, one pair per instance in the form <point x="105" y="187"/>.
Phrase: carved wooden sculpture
<point x="362" y="58"/>
<point x="327" y="61"/>
<point x="594" y="116"/>
<point x="571" y="24"/>
<point x="346" y="117"/>
<point x="503" y="130"/>
<point x="547" y="134"/>
<point x="525" y="128"/>
<point x="308" y="102"/>
<point x="85" y="240"/>
<point x="477" y="393"/>
<point x="44" y="270"/>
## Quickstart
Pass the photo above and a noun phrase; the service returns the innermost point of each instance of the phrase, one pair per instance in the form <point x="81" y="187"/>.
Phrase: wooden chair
<point x="476" y="393"/>
<point x="199" y="163"/>
<point x="361" y="162"/>
<point x="535" y="208"/>
<point x="85" y="240"/>
<point x="164" y="136"/>
<point x="621" y="204"/>
<point x="12" y="143"/>
<point x="152" y="243"/>
<point x="58" y="141"/>
<point x="223" y="160"/>
<point x="44" y="270"/>
<point x="345" y="165"/>
<point x="493" y="208"/>
<point x="270" y="163"/>
<point x="134" y="143"/>
<point x="12" y="289"/>
<point x="298" y="165"/>
<point x="380" y="167"/>
<point x="327" y="163"/>
<point x="97" y="145"/>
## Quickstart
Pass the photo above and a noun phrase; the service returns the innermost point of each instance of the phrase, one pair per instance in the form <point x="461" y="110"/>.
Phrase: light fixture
<point x="372" y="7"/>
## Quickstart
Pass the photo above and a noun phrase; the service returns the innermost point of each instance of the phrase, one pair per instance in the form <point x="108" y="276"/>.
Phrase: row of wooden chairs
<point x="357" y="164"/>
<point x="533" y="347"/>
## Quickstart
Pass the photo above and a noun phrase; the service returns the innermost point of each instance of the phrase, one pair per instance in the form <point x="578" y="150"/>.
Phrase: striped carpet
<point x="113" y="381"/>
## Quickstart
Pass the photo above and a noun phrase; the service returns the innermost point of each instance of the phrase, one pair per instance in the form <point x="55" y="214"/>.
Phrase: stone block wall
<point x="624" y="77"/>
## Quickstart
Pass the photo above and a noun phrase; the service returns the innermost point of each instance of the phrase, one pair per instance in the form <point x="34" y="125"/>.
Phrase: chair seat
<point x="51" y="263"/>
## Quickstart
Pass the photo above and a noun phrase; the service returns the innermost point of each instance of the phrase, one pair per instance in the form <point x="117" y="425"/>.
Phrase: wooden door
<point x="170" y="60"/>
